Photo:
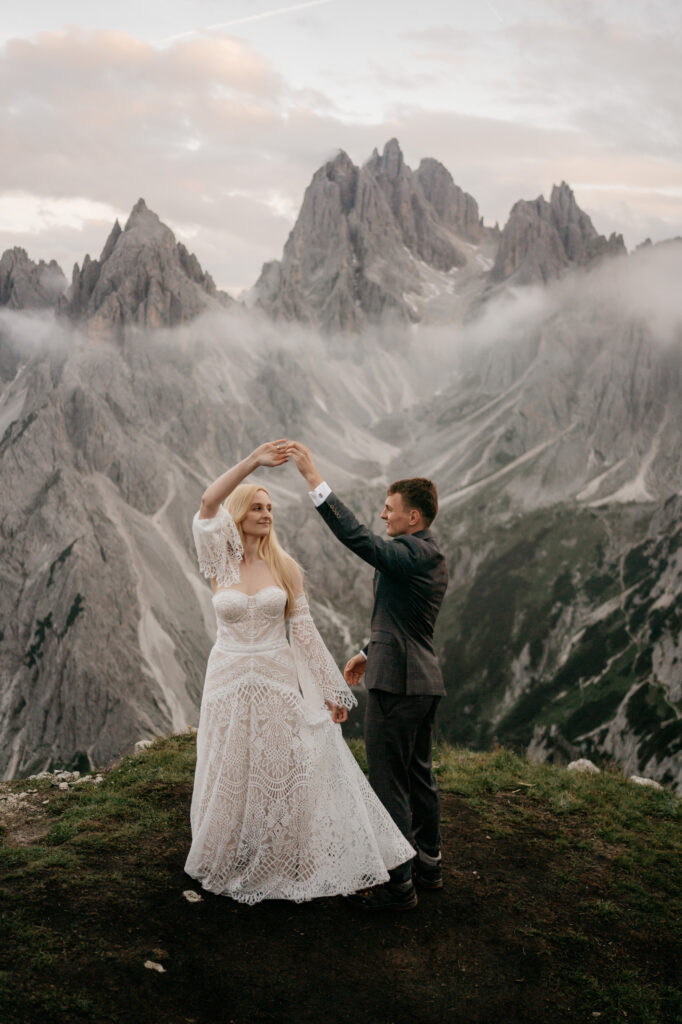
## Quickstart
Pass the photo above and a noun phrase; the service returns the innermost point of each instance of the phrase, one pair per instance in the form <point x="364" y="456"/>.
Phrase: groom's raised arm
<point x="399" y="557"/>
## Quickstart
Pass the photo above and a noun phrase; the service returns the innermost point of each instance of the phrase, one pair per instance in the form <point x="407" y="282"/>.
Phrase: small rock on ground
<point x="152" y="965"/>
<point x="583" y="764"/>
<point x="645" y="782"/>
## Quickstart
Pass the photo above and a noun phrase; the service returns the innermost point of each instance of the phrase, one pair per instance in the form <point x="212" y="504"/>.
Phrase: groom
<point x="403" y="679"/>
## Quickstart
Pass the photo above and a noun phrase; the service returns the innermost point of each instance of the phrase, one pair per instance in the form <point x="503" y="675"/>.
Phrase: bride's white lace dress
<point x="280" y="808"/>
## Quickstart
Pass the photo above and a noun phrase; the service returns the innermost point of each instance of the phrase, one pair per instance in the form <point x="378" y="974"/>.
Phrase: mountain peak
<point x="368" y="241"/>
<point x="146" y="221"/>
<point x="390" y="163"/>
<point x="566" y="209"/>
<point x="111" y="241"/>
<point x="140" y="209"/>
<point x="392" y="158"/>
<point x="142" y="277"/>
<point x="28" y="285"/>
<point x="564" y="189"/>
<point x="456" y="208"/>
<point x="340" y="164"/>
<point x="340" y="172"/>
<point x="541" y="240"/>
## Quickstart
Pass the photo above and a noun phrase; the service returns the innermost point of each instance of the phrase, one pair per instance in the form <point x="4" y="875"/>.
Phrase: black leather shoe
<point x="428" y="876"/>
<point x="389" y="896"/>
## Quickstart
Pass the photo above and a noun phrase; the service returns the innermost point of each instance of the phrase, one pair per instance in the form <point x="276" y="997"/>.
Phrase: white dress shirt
<point x="320" y="494"/>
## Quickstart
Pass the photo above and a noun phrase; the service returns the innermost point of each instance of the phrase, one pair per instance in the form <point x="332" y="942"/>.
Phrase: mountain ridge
<point x="387" y="237"/>
<point x="381" y="241"/>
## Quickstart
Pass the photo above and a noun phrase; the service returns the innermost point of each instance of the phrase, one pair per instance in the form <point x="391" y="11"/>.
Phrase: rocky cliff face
<point x="541" y="240"/>
<point x="326" y="275"/>
<point x="143" y="277"/>
<point x="29" y="286"/>
<point x="92" y="649"/>
<point x="422" y="230"/>
<point x="454" y="208"/>
<point x="566" y="640"/>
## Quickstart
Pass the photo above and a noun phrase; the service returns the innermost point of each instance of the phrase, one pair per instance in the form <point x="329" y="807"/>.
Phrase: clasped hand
<point x="303" y="459"/>
<point x="272" y="453"/>
<point x="275" y="453"/>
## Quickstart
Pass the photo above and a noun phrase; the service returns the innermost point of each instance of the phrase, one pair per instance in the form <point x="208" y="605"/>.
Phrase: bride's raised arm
<point x="272" y="453"/>
<point x="218" y="543"/>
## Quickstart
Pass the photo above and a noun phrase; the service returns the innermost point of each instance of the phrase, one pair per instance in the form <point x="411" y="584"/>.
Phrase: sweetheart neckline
<point x="235" y="590"/>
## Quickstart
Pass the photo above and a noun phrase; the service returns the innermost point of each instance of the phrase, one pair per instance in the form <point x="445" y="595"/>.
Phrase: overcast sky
<point x="218" y="112"/>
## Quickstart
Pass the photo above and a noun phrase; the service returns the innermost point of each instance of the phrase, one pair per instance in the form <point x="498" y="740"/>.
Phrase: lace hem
<point x="318" y="673"/>
<point x="219" y="547"/>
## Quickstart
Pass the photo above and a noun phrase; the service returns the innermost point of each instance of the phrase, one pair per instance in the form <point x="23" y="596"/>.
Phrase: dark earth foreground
<point x="530" y="927"/>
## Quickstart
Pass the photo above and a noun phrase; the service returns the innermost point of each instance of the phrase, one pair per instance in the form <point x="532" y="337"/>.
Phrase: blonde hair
<point x="281" y="565"/>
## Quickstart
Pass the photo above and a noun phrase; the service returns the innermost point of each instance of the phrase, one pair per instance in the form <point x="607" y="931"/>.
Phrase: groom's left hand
<point x="304" y="462"/>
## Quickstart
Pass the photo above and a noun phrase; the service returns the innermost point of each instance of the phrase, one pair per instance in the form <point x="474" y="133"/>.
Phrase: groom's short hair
<point x="418" y="493"/>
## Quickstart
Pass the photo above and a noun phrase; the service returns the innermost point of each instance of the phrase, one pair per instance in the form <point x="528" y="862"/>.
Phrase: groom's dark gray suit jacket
<point x="409" y="584"/>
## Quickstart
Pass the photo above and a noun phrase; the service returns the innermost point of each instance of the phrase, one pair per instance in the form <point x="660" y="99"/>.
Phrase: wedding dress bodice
<point x="248" y="620"/>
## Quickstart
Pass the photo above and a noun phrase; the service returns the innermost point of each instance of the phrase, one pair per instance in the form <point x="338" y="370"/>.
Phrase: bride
<point x="280" y="808"/>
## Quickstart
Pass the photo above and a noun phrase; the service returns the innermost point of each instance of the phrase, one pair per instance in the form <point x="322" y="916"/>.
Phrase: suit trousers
<point x="398" y="738"/>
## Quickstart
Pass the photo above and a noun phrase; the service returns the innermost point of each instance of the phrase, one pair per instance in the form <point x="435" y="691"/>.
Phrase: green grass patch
<point x="568" y="884"/>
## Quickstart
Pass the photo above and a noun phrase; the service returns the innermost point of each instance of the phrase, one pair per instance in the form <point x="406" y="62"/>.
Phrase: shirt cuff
<point x="320" y="494"/>
<point x="363" y="654"/>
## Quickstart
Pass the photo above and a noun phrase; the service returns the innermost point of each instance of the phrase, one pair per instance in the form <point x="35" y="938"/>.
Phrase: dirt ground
<point x="502" y="943"/>
<point x="448" y="960"/>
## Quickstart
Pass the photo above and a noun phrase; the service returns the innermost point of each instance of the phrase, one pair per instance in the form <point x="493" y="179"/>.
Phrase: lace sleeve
<point x="219" y="547"/>
<point x="318" y="673"/>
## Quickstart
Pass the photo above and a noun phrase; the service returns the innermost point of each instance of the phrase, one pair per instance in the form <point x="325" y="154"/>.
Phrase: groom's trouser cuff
<point x="426" y="858"/>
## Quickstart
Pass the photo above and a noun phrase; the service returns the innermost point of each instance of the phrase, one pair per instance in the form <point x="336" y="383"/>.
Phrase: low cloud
<point x="641" y="289"/>
<point x="29" y="334"/>
<point x="645" y="288"/>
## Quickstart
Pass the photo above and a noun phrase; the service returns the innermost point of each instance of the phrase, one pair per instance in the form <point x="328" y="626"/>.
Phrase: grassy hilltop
<point x="563" y="903"/>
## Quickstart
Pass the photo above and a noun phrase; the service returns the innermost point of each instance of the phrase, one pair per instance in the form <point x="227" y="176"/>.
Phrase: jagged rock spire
<point x="143" y="277"/>
<point x="541" y="239"/>
<point x="28" y="285"/>
<point x="455" y="208"/>
<point x="365" y="239"/>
